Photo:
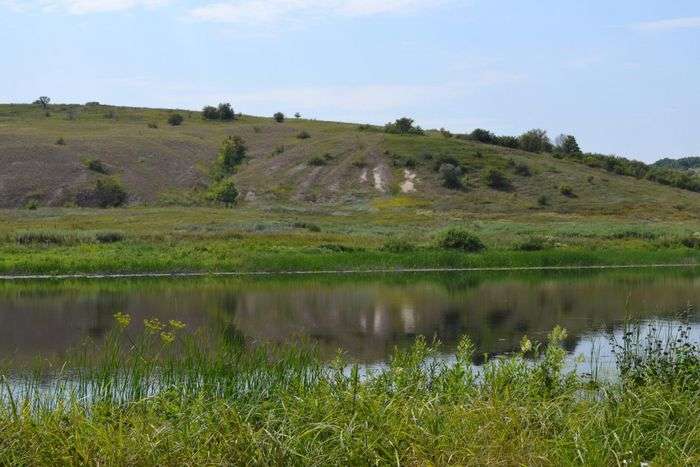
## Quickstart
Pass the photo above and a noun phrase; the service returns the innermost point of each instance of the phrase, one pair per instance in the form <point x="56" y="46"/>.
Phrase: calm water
<point x="367" y="316"/>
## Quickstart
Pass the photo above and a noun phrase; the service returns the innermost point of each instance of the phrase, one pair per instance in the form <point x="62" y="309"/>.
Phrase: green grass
<point x="164" y="400"/>
<point x="206" y="239"/>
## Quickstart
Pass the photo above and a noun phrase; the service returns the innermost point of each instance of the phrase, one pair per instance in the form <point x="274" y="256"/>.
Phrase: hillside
<point x="340" y="164"/>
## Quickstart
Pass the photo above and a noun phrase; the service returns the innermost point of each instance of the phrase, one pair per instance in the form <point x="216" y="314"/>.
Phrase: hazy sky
<point x="623" y="76"/>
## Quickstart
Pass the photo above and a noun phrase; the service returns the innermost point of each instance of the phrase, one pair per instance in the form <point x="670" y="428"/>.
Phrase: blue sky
<point x="623" y="76"/>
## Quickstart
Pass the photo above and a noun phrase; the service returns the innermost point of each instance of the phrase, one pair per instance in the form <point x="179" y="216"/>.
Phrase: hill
<point x="47" y="158"/>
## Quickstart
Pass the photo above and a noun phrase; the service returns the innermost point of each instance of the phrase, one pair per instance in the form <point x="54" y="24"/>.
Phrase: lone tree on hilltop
<point x="279" y="117"/>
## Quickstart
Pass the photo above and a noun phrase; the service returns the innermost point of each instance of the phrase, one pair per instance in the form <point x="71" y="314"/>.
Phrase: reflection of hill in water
<point x="366" y="318"/>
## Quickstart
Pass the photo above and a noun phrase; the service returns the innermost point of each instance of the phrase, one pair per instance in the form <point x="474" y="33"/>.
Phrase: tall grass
<point x="168" y="397"/>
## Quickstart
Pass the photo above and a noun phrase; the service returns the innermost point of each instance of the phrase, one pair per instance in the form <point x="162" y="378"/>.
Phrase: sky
<point x="622" y="76"/>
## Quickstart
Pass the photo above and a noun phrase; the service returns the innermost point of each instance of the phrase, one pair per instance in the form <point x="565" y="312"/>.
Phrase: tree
<point x="535" y="141"/>
<point x="297" y="115"/>
<point x="43" y="101"/>
<point x="483" y="136"/>
<point x="176" y="119"/>
<point x="226" y="112"/>
<point x="107" y="193"/>
<point x="231" y="154"/>
<point x="567" y="144"/>
<point x="210" y="113"/>
<point x="403" y="126"/>
<point x="224" y="192"/>
<point x="279" y="117"/>
<point x="497" y="180"/>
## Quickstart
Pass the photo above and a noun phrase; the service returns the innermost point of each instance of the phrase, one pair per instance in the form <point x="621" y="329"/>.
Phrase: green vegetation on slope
<point x="167" y="399"/>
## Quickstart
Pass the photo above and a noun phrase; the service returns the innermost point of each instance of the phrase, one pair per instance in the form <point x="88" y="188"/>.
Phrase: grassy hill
<point x="340" y="164"/>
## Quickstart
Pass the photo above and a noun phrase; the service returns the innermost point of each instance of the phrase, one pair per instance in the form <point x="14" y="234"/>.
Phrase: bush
<point x="224" y="191"/>
<point x="279" y="117"/>
<point x="691" y="242"/>
<point x="106" y="193"/>
<point x="532" y="244"/>
<point x="566" y="190"/>
<point x="317" y="161"/>
<point x="210" y="113"/>
<point x="535" y="141"/>
<point x="175" y="119"/>
<point x="403" y="126"/>
<point x="458" y="239"/>
<point x="445" y="133"/>
<point x="32" y="205"/>
<point x="522" y="169"/>
<point x="92" y="104"/>
<point x="96" y="165"/>
<point x="66" y="237"/>
<point x="508" y="142"/>
<point x="451" y="176"/>
<point x="109" y="236"/>
<point x="497" y="180"/>
<point x="153" y="125"/>
<point x="303" y="135"/>
<point x="231" y="154"/>
<point x="61" y="142"/>
<point x="542" y="200"/>
<point x="307" y="226"/>
<point x="278" y="150"/>
<point x="483" y="136"/>
<point x="397" y="245"/>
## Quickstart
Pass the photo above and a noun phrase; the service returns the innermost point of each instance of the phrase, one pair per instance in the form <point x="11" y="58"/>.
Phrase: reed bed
<point x="173" y="397"/>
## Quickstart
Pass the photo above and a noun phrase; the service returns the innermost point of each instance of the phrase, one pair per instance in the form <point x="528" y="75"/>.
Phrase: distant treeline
<point x="684" y="163"/>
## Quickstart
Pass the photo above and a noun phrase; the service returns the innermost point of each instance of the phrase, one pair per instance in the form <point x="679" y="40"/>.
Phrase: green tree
<point x="226" y="112"/>
<point x="176" y="119"/>
<point x="279" y="117"/>
<point x="231" y="154"/>
<point x="567" y="144"/>
<point x="43" y="101"/>
<point x="483" y="136"/>
<point x="210" y="112"/>
<point x="535" y="141"/>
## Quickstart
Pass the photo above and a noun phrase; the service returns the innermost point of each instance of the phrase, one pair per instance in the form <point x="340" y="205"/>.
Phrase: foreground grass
<point x="55" y="241"/>
<point x="160" y="401"/>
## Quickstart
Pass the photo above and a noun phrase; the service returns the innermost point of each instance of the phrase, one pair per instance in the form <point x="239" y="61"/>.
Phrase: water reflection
<point x="365" y="316"/>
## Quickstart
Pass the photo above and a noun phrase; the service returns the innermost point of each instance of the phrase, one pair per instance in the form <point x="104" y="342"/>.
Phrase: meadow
<point x="171" y="396"/>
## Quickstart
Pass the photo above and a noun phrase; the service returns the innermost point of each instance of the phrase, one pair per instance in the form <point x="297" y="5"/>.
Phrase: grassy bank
<point x="167" y="399"/>
<point x="59" y="241"/>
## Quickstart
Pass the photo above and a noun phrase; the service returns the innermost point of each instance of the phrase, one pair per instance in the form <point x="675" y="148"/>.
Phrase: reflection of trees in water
<point x="366" y="318"/>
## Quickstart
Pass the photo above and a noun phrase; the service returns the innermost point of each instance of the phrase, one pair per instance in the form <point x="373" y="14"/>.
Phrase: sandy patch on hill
<point x="379" y="179"/>
<point x="409" y="183"/>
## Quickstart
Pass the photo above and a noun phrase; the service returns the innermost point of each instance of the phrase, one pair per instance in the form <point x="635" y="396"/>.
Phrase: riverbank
<point x="165" y="399"/>
<point x="202" y="240"/>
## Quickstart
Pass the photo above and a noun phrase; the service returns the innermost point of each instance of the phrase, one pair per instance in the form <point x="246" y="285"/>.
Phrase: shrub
<point x="153" y="125"/>
<point x="535" y="141"/>
<point x="278" y="150"/>
<point x="61" y="142"/>
<point x="231" y="154"/>
<point x="367" y="127"/>
<point x="566" y="190"/>
<point x="451" y="176"/>
<point x="279" y="117"/>
<point x="691" y="242"/>
<point x="397" y="245"/>
<point x="106" y="193"/>
<point x="497" y="180"/>
<point x="522" y="169"/>
<point x="32" y="205"/>
<point x="92" y="104"/>
<point x="307" y="226"/>
<point x="224" y="191"/>
<point x="318" y="161"/>
<point x="175" y="119"/>
<point x="508" y="142"/>
<point x="96" y="165"/>
<point x="403" y="126"/>
<point x="210" y="112"/>
<point x="542" y="200"/>
<point x="226" y="112"/>
<point x="109" y="236"/>
<point x="482" y="136"/>
<point x="445" y="133"/>
<point x="303" y="135"/>
<point x="532" y="244"/>
<point x="458" y="239"/>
